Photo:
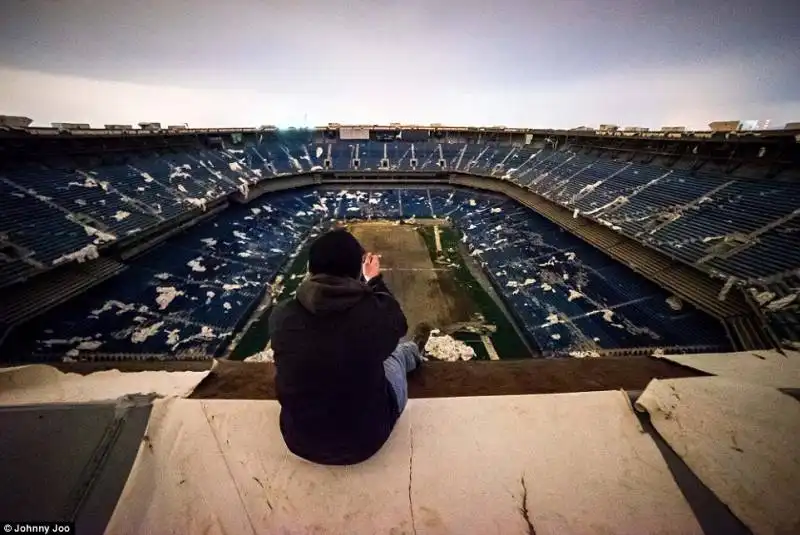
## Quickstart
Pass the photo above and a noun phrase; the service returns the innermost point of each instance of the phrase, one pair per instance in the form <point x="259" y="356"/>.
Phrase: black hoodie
<point x="330" y="343"/>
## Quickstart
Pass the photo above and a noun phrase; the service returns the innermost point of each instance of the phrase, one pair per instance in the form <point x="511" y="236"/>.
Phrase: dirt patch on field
<point x="425" y="292"/>
<point x="239" y="380"/>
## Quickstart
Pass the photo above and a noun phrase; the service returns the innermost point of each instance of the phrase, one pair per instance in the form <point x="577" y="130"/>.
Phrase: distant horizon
<point x="36" y="124"/>
<point x="321" y="126"/>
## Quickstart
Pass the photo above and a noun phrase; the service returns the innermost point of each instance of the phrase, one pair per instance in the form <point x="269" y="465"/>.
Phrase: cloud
<point x="692" y="95"/>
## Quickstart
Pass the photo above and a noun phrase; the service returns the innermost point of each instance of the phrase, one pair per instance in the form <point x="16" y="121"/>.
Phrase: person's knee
<point x="408" y="346"/>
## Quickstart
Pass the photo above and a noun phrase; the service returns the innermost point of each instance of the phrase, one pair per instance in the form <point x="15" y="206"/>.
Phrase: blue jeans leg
<point x="402" y="360"/>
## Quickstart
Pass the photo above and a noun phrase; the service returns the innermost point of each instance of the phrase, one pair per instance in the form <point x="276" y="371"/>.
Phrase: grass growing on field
<point x="506" y="340"/>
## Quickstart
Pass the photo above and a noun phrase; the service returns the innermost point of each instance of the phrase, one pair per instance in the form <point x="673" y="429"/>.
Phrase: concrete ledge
<point x="568" y="463"/>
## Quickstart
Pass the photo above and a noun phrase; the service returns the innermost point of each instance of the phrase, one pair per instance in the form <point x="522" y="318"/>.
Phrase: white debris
<point x="239" y="234"/>
<point x="233" y="166"/>
<point x="589" y="187"/>
<point x="618" y="201"/>
<point x="81" y="255"/>
<point x="182" y="189"/>
<point x="90" y="345"/>
<point x="783" y="302"/>
<point x="146" y="176"/>
<point x="570" y="256"/>
<point x="62" y="342"/>
<point x="546" y="287"/>
<point x="210" y="242"/>
<point x="555" y="336"/>
<point x="206" y="333"/>
<point x="447" y="348"/>
<point x="658" y="352"/>
<point x="255" y="211"/>
<point x="472" y="202"/>
<point x="226" y="306"/>
<point x="528" y="282"/>
<point x="674" y="303"/>
<point x="165" y="296"/>
<point x="762" y="298"/>
<point x="140" y="335"/>
<point x="200" y="203"/>
<point x="173" y="337"/>
<point x="120" y="215"/>
<point x="608" y="315"/>
<point x="229" y="287"/>
<point x="100" y="236"/>
<point x="512" y="284"/>
<point x="713" y="238"/>
<point x="574" y="295"/>
<point x="552" y="319"/>
<point x="575" y="213"/>
<point x="268" y="355"/>
<point x="108" y="305"/>
<point x="161" y="276"/>
<point x="80" y="202"/>
<point x="476" y="252"/>
<point x="89" y="182"/>
<point x="318" y="152"/>
<point x="353" y="209"/>
<point x="584" y="354"/>
<point x="196" y="264"/>
<point x="496" y="210"/>
<point x="300" y="214"/>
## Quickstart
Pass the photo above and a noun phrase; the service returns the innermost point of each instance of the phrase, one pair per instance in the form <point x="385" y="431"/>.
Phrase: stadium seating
<point x="573" y="298"/>
<point x="738" y="229"/>
<point x="187" y="297"/>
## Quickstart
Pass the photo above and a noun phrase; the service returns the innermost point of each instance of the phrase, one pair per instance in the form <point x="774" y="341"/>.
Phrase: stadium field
<point x="426" y="292"/>
<point x="429" y="276"/>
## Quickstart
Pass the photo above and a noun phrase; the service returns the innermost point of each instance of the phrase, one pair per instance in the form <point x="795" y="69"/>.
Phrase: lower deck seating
<point x="184" y="299"/>
<point x="570" y="297"/>
<point x="190" y="295"/>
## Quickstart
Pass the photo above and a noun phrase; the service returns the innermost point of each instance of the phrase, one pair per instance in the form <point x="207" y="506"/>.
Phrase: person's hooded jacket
<point x="337" y="406"/>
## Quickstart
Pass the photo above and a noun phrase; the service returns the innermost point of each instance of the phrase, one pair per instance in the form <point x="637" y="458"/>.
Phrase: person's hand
<point x="371" y="266"/>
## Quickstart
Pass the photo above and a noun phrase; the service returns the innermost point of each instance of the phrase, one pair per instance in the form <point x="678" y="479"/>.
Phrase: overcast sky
<point x="529" y="63"/>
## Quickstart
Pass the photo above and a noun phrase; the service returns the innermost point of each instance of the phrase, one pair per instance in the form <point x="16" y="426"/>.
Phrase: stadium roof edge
<point x="580" y="132"/>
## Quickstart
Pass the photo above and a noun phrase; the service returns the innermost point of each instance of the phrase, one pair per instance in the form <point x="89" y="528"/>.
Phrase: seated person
<point x="340" y="366"/>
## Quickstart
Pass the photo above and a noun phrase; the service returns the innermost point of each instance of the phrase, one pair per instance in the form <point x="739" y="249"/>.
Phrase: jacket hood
<point x="326" y="294"/>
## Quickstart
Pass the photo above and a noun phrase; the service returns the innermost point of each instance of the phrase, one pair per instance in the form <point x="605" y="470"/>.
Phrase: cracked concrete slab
<point x="740" y="439"/>
<point x="515" y="464"/>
